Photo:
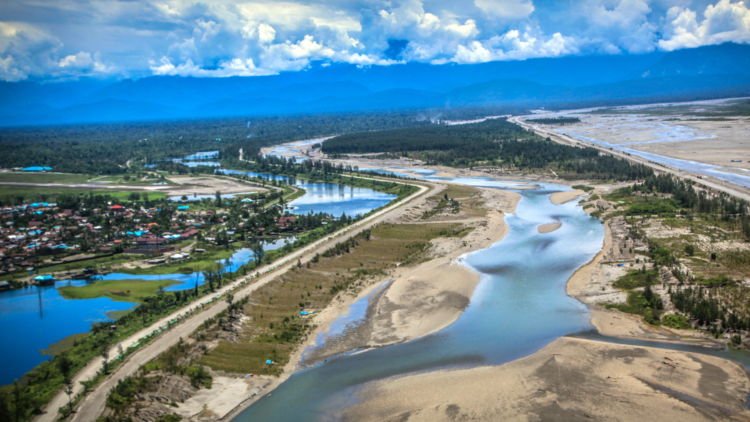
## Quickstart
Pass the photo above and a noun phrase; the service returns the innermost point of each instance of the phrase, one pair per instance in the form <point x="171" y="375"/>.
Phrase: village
<point x="76" y="231"/>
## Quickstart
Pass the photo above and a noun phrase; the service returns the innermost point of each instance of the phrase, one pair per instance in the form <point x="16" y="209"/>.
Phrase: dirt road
<point x="204" y="308"/>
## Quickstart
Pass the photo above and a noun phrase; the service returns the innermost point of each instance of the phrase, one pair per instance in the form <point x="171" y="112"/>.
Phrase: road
<point x="711" y="183"/>
<point x="202" y="309"/>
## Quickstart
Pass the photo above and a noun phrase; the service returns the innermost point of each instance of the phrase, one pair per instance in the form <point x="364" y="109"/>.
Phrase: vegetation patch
<point x="644" y="303"/>
<point x="120" y="290"/>
<point x="275" y="327"/>
<point x="637" y="278"/>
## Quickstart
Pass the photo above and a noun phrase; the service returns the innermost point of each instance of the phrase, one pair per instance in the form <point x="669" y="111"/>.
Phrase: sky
<point x="65" y="39"/>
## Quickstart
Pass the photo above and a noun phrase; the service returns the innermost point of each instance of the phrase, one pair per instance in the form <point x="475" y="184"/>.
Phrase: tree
<point x="19" y="402"/>
<point x="258" y="252"/>
<point x="689" y="249"/>
<point x="105" y="358"/>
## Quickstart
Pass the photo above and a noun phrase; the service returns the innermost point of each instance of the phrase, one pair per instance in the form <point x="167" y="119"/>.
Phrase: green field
<point x="44" y="177"/>
<point x="120" y="290"/>
<point x="35" y="193"/>
<point x="274" y="308"/>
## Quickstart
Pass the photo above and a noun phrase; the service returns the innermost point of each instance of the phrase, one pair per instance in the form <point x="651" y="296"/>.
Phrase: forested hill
<point x="496" y="143"/>
<point x="705" y="72"/>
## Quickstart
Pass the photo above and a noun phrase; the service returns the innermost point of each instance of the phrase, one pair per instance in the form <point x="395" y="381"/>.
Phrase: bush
<point x="675" y="321"/>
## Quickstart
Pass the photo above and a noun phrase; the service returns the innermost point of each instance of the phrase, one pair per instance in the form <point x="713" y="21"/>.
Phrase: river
<point x="519" y="306"/>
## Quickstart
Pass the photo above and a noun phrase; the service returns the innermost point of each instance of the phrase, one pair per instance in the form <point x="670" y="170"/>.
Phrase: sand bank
<point x="559" y="198"/>
<point x="432" y="295"/>
<point x="425" y="298"/>
<point x="570" y="379"/>
<point x="548" y="227"/>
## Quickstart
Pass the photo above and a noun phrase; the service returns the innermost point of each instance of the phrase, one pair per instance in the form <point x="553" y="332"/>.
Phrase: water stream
<point x="519" y="306"/>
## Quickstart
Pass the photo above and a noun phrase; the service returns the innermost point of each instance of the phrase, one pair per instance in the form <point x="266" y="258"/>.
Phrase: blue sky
<point x="61" y="39"/>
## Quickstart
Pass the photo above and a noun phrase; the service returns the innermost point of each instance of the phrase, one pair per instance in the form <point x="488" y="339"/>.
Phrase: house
<point x="189" y="233"/>
<point x="36" y="169"/>
<point x="150" y="245"/>
<point x="285" y="221"/>
<point x="45" y="280"/>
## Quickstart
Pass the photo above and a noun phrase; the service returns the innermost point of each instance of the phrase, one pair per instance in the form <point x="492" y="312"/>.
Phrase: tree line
<point x="498" y="143"/>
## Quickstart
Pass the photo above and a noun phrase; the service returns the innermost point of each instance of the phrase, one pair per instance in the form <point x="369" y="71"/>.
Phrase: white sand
<point x="548" y="227"/>
<point x="559" y="198"/>
<point x="570" y="379"/>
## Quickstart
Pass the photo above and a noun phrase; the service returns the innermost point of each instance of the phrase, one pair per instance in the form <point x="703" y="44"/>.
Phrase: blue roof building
<point x="37" y="169"/>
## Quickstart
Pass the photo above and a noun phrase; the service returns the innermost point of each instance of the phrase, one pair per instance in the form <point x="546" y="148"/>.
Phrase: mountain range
<point x="705" y="72"/>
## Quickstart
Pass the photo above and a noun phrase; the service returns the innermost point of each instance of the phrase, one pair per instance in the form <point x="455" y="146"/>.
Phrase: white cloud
<point x="474" y="52"/>
<point x="506" y="9"/>
<point x="515" y="45"/>
<point x="233" y="67"/>
<point x="218" y="38"/>
<point x="25" y="50"/>
<point x="84" y="61"/>
<point x="266" y="33"/>
<point x="463" y="30"/>
<point x="722" y="22"/>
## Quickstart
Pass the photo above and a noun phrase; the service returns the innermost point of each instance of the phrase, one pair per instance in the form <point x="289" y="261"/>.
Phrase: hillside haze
<point x="706" y="72"/>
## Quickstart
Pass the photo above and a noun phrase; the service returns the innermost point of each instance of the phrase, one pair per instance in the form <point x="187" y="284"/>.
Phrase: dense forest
<point x="494" y="142"/>
<point x="107" y="148"/>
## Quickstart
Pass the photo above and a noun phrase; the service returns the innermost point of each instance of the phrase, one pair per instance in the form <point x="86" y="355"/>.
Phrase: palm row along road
<point x="179" y="324"/>
<point x="715" y="184"/>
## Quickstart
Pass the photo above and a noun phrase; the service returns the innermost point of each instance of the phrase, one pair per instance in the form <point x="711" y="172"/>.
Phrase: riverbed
<point x="519" y="306"/>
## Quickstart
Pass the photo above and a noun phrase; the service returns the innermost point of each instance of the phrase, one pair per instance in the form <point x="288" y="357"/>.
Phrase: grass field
<point x="120" y="290"/>
<point x="469" y="198"/>
<point x="40" y="193"/>
<point x="44" y="177"/>
<point x="275" y="328"/>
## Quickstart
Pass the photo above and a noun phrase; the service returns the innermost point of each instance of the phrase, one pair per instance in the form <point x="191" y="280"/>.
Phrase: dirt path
<point x="204" y="308"/>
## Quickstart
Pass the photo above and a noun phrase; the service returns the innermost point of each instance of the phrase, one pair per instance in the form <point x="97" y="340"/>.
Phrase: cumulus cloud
<point x="84" y="61"/>
<point x="24" y="50"/>
<point x="27" y="51"/>
<point x="506" y="9"/>
<point x="219" y="38"/>
<point x="721" y="22"/>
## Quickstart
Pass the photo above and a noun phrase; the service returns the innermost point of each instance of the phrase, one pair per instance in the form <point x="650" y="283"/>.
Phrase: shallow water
<point x="331" y="198"/>
<point x="519" y="306"/>
<point x="676" y="163"/>
<point x="36" y="317"/>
